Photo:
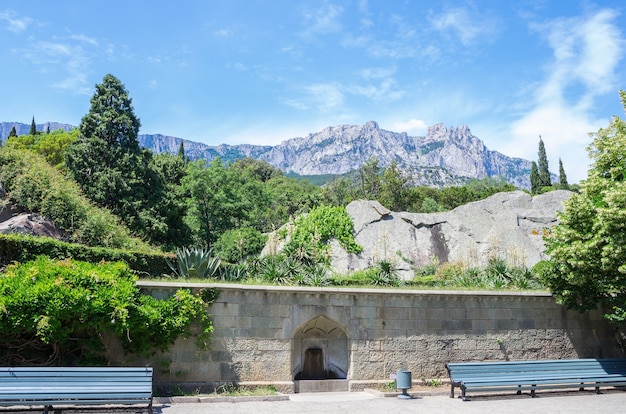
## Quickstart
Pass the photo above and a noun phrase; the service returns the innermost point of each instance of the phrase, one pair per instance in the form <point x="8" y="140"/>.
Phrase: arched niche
<point x="320" y="350"/>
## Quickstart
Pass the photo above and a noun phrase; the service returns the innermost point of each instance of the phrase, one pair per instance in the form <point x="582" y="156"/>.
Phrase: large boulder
<point x="14" y="219"/>
<point x="31" y="224"/>
<point x="509" y="225"/>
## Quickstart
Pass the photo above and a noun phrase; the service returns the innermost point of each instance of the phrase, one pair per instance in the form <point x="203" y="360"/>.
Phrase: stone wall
<point x="262" y="333"/>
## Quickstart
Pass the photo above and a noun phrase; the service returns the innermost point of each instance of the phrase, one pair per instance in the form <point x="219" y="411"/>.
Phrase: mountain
<point x="445" y="156"/>
<point x="24" y="129"/>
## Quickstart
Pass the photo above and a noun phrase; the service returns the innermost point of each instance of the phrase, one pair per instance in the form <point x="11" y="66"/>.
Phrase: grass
<point x="234" y="390"/>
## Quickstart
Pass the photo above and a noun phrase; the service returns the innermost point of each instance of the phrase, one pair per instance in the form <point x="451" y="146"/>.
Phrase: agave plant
<point x="195" y="263"/>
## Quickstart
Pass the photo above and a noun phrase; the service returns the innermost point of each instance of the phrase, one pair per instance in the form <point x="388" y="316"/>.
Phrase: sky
<point x="264" y="71"/>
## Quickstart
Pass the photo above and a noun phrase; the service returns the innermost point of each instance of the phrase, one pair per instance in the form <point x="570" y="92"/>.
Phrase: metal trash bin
<point x="403" y="382"/>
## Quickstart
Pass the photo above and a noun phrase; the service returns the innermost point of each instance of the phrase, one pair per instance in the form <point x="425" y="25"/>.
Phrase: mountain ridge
<point x="444" y="156"/>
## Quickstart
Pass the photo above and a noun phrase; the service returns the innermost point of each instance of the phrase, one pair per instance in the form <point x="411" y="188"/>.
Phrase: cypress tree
<point x="544" y="173"/>
<point x="562" y="177"/>
<point x="534" y="179"/>
<point x="13" y="132"/>
<point x="33" y="128"/>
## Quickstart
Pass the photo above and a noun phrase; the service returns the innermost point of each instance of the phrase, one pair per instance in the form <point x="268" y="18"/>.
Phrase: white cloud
<point x="587" y="51"/>
<point x="322" y="20"/>
<point x="469" y="26"/>
<point x="413" y="127"/>
<point x="15" y="24"/>
<point x="321" y="96"/>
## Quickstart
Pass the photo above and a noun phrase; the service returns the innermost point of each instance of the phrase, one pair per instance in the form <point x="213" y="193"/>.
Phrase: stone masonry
<point x="261" y="333"/>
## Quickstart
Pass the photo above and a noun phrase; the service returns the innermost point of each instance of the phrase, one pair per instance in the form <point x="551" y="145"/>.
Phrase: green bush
<point x="322" y="224"/>
<point x="19" y="249"/>
<point x="57" y="312"/>
<point x="235" y="245"/>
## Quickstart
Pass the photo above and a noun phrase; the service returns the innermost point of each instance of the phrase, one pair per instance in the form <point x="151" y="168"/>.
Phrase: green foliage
<point x="51" y="145"/>
<point x="33" y="128"/>
<point x="114" y="172"/>
<point x="430" y="206"/>
<point x="370" y="180"/>
<point x="19" y="249"/>
<point x="323" y="223"/>
<point x="38" y="187"/>
<point x="587" y="248"/>
<point x="496" y="275"/>
<point x="385" y="274"/>
<point x="535" y="184"/>
<point x="195" y="263"/>
<point x="542" y="165"/>
<point x="237" y="244"/>
<point x="563" y="185"/>
<point x="215" y="203"/>
<point x="57" y="312"/>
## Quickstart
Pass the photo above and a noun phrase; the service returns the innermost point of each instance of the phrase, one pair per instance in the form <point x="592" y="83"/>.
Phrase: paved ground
<point x="610" y="402"/>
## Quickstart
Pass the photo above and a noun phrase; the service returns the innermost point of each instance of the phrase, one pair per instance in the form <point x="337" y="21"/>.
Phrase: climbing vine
<point x="57" y="312"/>
<point x="322" y="224"/>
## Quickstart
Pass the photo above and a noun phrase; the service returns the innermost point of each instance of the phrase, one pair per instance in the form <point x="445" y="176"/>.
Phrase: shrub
<point x="235" y="245"/>
<point x="56" y="312"/>
<point x="323" y="223"/>
<point x="16" y="248"/>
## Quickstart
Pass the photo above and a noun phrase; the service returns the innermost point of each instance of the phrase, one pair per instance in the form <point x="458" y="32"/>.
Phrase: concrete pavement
<point x="611" y="401"/>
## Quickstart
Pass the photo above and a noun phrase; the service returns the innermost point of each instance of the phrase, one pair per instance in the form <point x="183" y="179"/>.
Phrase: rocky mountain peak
<point x="445" y="156"/>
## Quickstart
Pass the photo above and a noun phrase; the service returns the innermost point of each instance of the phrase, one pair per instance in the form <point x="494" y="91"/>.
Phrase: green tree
<point x="110" y="167"/>
<point x="214" y="202"/>
<point x="13" y="132"/>
<point x="394" y="193"/>
<point x="33" y="127"/>
<point x="562" y="177"/>
<point x="535" y="185"/>
<point x="544" y="172"/>
<point x="587" y="266"/>
<point x="370" y="180"/>
<point x="340" y="191"/>
<point x="104" y="159"/>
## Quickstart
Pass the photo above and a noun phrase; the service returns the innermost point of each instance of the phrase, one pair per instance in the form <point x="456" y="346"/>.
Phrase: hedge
<point x="22" y="248"/>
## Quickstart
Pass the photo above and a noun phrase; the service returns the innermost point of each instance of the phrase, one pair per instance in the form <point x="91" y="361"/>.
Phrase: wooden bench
<point x="536" y="375"/>
<point x="72" y="387"/>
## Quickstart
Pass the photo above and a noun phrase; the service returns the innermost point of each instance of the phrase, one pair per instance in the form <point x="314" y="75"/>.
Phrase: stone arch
<point x="320" y="350"/>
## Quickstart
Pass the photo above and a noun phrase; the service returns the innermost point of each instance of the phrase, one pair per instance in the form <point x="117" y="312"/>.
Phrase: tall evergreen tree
<point x="181" y="151"/>
<point x="535" y="186"/>
<point x="13" y="132"/>
<point x="562" y="177"/>
<point x="106" y="160"/>
<point x="544" y="172"/>
<point x="33" y="127"/>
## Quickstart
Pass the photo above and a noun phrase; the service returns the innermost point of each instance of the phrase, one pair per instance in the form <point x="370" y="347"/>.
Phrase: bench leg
<point x="463" y="396"/>
<point x="451" y="391"/>
<point x="519" y="390"/>
<point x="532" y="391"/>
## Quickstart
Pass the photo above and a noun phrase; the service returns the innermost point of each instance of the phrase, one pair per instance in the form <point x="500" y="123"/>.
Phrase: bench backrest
<point x="89" y="385"/>
<point x="464" y="369"/>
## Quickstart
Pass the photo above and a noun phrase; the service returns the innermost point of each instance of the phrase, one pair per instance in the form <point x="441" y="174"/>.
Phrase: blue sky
<point x="263" y="71"/>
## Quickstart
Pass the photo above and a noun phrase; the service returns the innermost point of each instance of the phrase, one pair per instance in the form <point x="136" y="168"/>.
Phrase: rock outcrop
<point x="506" y="225"/>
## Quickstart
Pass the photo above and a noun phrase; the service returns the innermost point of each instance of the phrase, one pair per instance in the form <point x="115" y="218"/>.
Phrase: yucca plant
<point x="195" y="263"/>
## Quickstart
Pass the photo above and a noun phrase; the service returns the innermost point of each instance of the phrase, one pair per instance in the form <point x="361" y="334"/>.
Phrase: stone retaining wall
<point x="262" y="333"/>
